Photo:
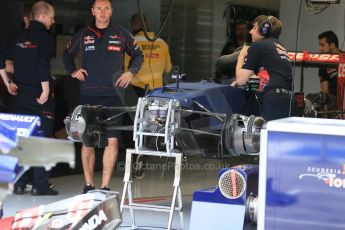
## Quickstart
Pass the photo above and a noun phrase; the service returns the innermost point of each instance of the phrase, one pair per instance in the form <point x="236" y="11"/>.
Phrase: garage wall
<point x="311" y="25"/>
<point x="71" y="14"/>
<point x="189" y="35"/>
<point x="267" y="4"/>
<point x="9" y="18"/>
<point x="123" y="10"/>
<point x="196" y="33"/>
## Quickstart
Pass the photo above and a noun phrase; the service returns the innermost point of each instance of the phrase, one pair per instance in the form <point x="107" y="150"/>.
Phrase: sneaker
<point x="48" y="192"/>
<point x="88" y="187"/>
<point x="105" y="188"/>
<point x="51" y="185"/>
<point x="19" y="190"/>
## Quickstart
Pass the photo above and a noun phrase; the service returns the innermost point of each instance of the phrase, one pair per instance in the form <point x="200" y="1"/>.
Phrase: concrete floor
<point x="155" y="187"/>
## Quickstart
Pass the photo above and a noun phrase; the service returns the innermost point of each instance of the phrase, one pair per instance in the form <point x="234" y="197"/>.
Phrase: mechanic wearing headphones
<point x="269" y="60"/>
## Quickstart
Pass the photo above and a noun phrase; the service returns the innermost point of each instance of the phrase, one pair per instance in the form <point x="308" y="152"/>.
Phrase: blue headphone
<point x="266" y="27"/>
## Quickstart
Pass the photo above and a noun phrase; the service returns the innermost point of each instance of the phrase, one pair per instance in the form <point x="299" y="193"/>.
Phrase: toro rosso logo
<point x="89" y="40"/>
<point x="331" y="177"/>
<point x="26" y="45"/>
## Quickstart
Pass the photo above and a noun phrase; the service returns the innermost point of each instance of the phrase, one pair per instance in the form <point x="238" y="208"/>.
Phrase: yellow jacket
<point x="152" y="69"/>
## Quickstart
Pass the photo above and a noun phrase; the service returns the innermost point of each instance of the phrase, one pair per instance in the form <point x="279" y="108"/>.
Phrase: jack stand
<point x="127" y="189"/>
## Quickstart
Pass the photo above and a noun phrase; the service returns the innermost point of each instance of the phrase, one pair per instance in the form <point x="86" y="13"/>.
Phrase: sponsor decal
<point x="22" y="132"/>
<point x="80" y="206"/>
<point x="333" y="73"/>
<point x="26" y="219"/>
<point x="26" y="45"/>
<point x="115" y="37"/>
<point x="89" y="48"/>
<point x="341" y="69"/>
<point x="56" y="223"/>
<point x="331" y="177"/>
<point x="24" y="124"/>
<point x="114" y="48"/>
<point x="150" y="47"/>
<point x="152" y="55"/>
<point x="94" y="221"/>
<point x="89" y="40"/>
<point x="341" y="82"/>
<point x="264" y="78"/>
<point x="332" y="58"/>
<point x="115" y="42"/>
<point x="20" y="118"/>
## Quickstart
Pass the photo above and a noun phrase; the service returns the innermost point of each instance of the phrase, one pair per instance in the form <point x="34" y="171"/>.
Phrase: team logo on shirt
<point x="114" y="48"/>
<point x="89" y="40"/>
<point x="26" y="45"/>
<point x="89" y="48"/>
<point x="150" y="47"/>
<point x="264" y="78"/>
<point x="115" y="37"/>
<point x="115" y="42"/>
<point x="152" y="55"/>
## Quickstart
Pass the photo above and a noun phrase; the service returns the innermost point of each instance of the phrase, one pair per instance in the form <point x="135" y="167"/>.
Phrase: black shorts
<point x="107" y="101"/>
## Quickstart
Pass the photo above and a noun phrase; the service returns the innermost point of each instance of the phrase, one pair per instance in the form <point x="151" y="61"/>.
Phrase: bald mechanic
<point x="32" y="50"/>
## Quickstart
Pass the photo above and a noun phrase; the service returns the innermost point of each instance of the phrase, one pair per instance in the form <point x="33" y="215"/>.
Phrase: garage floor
<point x="155" y="188"/>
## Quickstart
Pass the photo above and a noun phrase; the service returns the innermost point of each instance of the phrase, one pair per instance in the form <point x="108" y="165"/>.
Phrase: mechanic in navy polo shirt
<point x="103" y="78"/>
